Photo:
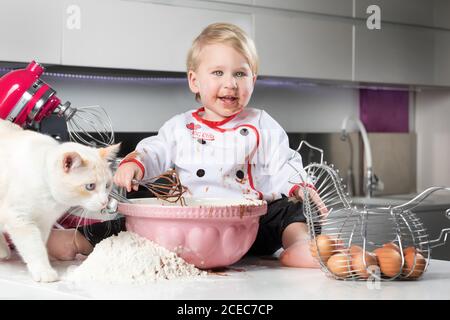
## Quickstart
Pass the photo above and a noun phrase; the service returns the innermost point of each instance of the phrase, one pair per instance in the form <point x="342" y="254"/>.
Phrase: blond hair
<point x="225" y="33"/>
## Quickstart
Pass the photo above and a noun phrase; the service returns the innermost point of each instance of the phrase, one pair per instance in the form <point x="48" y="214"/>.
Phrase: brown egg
<point x="409" y="250"/>
<point x="389" y="260"/>
<point x="324" y="245"/>
<point x="361" y="261"/>
<point x="354" y="249"/>
<point x="391" y="245"/>
<point x="339" y="264"/>
<point x="417" y="266"/>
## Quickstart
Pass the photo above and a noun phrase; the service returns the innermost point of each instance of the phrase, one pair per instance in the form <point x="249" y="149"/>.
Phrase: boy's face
<point x="224" y="81"/>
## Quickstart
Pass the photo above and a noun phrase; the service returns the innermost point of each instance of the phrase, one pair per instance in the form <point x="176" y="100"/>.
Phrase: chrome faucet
<point x="372" y="182"/>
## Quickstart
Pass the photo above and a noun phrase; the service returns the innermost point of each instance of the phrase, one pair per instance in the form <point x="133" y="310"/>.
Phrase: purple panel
<point x="384" y="110"/>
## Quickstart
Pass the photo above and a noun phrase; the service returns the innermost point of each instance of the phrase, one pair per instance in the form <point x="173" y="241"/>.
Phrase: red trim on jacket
<point x="249" y="166"/>
<point x="250" y="180"/>
<point x="215" y="125"/>
<point x="251" y="127"/>
<point x="212" y="124"/>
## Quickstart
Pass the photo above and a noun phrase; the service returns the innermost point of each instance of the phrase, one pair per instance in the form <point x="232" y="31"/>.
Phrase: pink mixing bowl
<point x="208" y="233"/>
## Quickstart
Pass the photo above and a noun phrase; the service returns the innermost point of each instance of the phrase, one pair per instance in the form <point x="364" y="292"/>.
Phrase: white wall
<point x="144" y="106"/>
<point x="433" y="138"/>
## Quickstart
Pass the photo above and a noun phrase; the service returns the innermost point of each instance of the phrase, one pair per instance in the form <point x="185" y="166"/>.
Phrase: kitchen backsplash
<point x="384" y="110"/>
<point x="393" y="157"/>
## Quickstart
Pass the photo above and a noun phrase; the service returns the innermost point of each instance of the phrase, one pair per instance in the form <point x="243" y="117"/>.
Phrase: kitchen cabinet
<point x="416" y="12"/>
<point x="395" y="54"/>
<point x="30" y="30"/>
<point x="246" y="2"/>
<point x="145" y="35"/>
<point x="431" y="13"/>
<point x="295" y="45"/>
<point x="138" y="35"/>
<point x="442" y="13"/>
<point x="442" y="58"/>
<point x="330" y="7"/>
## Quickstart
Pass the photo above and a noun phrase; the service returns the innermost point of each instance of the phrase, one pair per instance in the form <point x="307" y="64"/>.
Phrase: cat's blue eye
<point x="240" y="74"/>
<point x="90" y="186"/>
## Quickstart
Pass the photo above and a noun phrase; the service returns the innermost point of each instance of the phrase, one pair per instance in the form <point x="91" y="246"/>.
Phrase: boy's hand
<point x="127" y="172"/>
<point x="314" y="197"/>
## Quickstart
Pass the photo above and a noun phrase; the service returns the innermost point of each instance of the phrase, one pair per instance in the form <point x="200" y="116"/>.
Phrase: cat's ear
<point x="109" y="153"/>
<point x="71" y="160"/>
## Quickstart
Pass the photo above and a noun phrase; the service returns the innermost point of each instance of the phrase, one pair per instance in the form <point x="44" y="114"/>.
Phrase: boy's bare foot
<point x="66" y="244"/>
<point x="297" y="252"/>
<point x="298" y="255"/>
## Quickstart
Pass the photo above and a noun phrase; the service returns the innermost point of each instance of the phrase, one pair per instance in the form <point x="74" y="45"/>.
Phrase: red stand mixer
<point x="25" y="100"/>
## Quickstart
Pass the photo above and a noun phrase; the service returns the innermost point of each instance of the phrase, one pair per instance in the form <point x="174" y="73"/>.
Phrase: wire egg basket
<point x="360" y="243"/>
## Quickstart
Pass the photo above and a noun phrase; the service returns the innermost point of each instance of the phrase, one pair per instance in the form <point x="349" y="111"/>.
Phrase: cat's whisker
<point x="79" y="220"/>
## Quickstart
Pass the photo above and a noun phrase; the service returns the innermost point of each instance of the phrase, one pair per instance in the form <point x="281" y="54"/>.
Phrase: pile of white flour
<point x="129" y="258"/>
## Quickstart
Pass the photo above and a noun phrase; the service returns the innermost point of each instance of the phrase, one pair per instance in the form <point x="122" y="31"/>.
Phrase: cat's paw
<point x="44" y="275"/>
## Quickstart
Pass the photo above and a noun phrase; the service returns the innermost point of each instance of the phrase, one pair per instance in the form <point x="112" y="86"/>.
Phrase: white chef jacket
<point x="246" y="155"/>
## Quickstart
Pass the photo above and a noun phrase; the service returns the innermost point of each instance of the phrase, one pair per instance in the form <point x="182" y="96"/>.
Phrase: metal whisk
<point x="352" y="243"/>
<point x="89" y="125"/>
<point x="166" y="187"/>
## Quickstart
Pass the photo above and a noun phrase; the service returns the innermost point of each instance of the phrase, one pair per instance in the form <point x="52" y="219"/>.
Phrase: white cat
<point x="40" y="179"/>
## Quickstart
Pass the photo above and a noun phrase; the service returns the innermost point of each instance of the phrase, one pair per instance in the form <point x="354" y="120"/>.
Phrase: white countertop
<point x="252" y="278"/>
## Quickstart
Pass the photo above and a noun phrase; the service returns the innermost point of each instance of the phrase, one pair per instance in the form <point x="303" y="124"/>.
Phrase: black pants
<point x="280" y="214"/>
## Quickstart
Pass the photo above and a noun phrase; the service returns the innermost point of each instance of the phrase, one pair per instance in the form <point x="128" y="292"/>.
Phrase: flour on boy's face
<point x="224" y="81"/>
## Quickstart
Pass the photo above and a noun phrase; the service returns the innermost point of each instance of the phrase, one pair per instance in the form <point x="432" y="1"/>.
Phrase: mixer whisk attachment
<point x="89" y="125"/>
<point x="166" y="187"/>
<point x="25" y="99"/>
<point x="354" y="243"/>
